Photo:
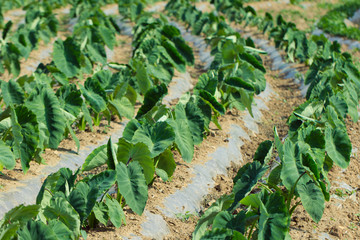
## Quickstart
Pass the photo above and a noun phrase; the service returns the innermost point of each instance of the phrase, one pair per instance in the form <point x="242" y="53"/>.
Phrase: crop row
<point x="267" y="190"/>
<point x="65" y="206"/>
<point x="36" y="117"/>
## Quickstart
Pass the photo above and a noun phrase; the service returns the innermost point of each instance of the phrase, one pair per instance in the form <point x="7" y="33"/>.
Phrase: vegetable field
<point x="179" y="119"/>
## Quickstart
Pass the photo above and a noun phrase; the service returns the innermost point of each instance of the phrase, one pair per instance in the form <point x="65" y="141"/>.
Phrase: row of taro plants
<point x="66" y="206"/>
<point x="35" y="116"/>
<point x="292" y="172"/>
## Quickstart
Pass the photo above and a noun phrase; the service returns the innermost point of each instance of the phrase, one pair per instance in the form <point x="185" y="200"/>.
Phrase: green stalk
<point x="251" y="230"/>
<point x="290" y="196"/>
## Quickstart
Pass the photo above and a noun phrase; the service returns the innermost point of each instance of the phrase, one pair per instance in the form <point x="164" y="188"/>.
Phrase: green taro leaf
<point x="139" y="152"/>
<point x="82" y="198"/>
<point x="157" y="137"/>
<point x="132" y="185"/>
<point x="294" y="172"/>
<point x="36" y="230"/>
<point x="61" y="209"/>
<point x="143" y="80"/>
<point x="152" y="97"/>
<point x="7" y="157"/>
<point x="223" y="203"/>
<point x="95" y="159"/>
<point x="46" y="106"/>
<point x="100" y="211"/>
<point x="11" y="58"/>
<point x="274" y="219"/>
<point x="116" y="214"/>
<point x="338" y="146"/>
<point x="195" y="121"/>
<point x="207" y="81"/>
<point x="12" y="93"/>
<point x="111" y="155"/>
<point x="70" y="99"/>
<point x="21" y="214"/>
<point x="212" y="102"/>
<point x="123" y="107"/>
<point x="9" y="231"/>
<point x="183" y="136"/>
<point x="95" y="95"/>
<point x="166" y="162"/>
<point x="246" y="178"/>
<point x="108" y="36"/>
<point x="66" y="55"/>
<point x="97" y="52"/>
<point x="185" y="50"/>
<point x="239" y="83"/>
<point x="226" y="220"/>
<point x="218" y="233"/>
<point x="312" y="197"/>
<point x="130" y="129"/>
<point x="171" y="53"/>
<point x="263" y="152"/>
<point x="30" y="135"/>
<point x="60" y="229"/>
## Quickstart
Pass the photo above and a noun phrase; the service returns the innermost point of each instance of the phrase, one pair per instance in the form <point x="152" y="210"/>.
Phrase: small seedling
<point x="185" y="216"/>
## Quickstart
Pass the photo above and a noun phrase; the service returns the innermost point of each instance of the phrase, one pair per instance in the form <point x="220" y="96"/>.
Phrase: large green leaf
<point x="264" y="151"/>
<point x="224" y="202"/>
<point x="100" y="211"/>
<point x="82" y="198"/>
<point x="227" y="220"/>
<point x="95" y="95"/>
<point x="207" y="81"/>
<point x="95" y="159"/>
<point x="166" y="162"/>
<point x="338" y="146"/>
<point x="70" y="99"/>
<point x="116" y="214"/>
<point x="293" y="172"/>
<point x="274" y="219"/>
<point x="61" y="209"/>
<point x="184" y="49"/>
<point x="58" y="182"/>
<point x="96" y="52"/>
<point x="11" y="58"/>
<point x="20" y="214"/>
<point x="183" y="136"/>
<point x="312" y="197"/>
<point x="30" y="135"/>
<point x="152" y="97"/>
<point x="157" y="137"/>
<point x="66" y="57"/>
<point x="238" y="83"/>
<point x="9" y="231"/>
<point x="12" y="93"/>
<point x="143" y="80"/>
<point x="195" y="121"/>
<point x="60" y="229"/>
<point x="218" y="233"/>
<point x="36" y="230"/>
<point x="123" y="107"/>
<point x="108" y="36"/>
<point x="45" y="105"/>
<point x="212" y="102"/>
<point x="7" y="157"/>
<point x="132" y="185"/>
<point x="170" y="52"/>
<point x="246" y="179"/>
<point x="139" y="152"/>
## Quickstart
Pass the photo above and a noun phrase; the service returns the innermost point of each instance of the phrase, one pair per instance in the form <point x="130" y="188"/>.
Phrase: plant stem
<point x="290" y="196"/>
<point x="251" y="229"/>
